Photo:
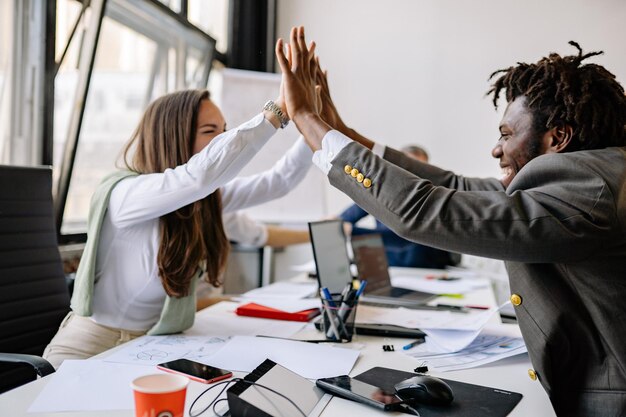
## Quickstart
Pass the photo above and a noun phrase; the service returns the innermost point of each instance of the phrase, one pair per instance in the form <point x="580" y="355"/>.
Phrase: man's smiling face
<point x="519" y="142"/>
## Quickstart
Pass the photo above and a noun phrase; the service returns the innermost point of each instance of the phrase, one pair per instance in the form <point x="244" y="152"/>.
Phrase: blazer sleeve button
<point x="360" y="177"/>
<point x="367" y="183"/>
<point x="516" y="300"/>
<point x="354" y="172"/>
<point x="347" y="169"/>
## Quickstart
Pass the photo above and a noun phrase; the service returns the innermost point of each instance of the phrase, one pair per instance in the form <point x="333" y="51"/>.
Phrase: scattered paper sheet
<point x="291" y="290"/>
<point x="450" y="271"/>
<point x="224" y="325"/>
<point x="310" y="360"/>
<point x="435" y="286"/>
<point x="445" y="341"/>
<point x="89" y="385"/>
<point x="432" y="319"/>
<point x="153" y="350"/>
<point x="483" y="350"/>
<point x="207" y="336"/>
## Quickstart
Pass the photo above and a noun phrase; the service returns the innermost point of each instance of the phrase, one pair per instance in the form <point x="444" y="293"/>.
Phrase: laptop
<point x="330" y="254"/>
<point x="333" y="272"/>
<point x="371" y="262"/>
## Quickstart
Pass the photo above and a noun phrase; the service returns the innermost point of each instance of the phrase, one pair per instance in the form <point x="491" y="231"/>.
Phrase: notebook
<point x="371" y="262"/>
<point x="257" y="310"/>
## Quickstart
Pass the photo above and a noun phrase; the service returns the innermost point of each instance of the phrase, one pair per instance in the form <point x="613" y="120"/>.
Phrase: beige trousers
<point x="81" y="338"/>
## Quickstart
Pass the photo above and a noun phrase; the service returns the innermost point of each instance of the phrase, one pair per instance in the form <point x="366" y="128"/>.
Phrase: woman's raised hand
<point x="299" y="75"/>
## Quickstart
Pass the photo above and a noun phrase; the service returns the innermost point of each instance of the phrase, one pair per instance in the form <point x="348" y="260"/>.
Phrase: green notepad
<point x="469" y="400"/>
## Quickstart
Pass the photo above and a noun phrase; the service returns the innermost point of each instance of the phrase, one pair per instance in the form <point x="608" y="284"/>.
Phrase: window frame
<point x="140" y="16"/>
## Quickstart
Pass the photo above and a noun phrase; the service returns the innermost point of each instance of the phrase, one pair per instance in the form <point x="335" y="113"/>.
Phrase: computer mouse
<point x="424" y="389"/>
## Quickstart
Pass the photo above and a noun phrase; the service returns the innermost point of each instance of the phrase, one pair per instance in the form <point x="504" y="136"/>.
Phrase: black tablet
<point x="352" y="389"/>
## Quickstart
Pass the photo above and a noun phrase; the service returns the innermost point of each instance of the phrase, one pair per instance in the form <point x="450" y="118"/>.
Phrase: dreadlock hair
<point x="560" y="91"/>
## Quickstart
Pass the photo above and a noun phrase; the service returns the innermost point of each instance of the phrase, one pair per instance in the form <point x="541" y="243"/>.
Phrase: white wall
<point x="405" y="71"/>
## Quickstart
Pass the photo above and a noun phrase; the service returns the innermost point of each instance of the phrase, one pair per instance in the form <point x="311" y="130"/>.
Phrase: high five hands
<point x="302" y="94"/>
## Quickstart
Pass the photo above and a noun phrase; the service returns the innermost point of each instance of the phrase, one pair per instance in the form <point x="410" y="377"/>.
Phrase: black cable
<point x="215" y="403"/>
<point x="407" y="408"/>
<point x="226" y="386"/>
<point x="226" y="383"/>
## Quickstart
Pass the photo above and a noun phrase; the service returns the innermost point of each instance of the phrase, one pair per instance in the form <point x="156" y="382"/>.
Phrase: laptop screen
<point x="371" y="261"/>
<point x="330" y="254"/>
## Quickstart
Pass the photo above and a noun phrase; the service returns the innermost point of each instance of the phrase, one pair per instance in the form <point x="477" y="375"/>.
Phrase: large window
<point x="6" y="38"/>
<point x="116" y="99"/>
<point x="76" y="75"/>
<point x="22" y="66"/>
<point x="142" y="52"/>
<point x="212" y="17"/>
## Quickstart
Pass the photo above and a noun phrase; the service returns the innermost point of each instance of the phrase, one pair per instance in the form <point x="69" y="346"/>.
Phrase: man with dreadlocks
<point x="557" y="218"/>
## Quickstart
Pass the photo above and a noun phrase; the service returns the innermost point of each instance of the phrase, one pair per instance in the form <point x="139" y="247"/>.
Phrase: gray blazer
<point x="560" y="227"/>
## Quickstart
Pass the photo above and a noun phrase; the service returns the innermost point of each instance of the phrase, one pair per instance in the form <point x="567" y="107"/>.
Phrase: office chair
<point x="34" y="296"/>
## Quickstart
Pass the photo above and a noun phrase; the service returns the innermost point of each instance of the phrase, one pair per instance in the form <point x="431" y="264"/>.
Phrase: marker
<point x="333" y="332"/>
<point x="413" y="344"/>
<point x="329" y="306"/>
<point x="452" y="295"/>
<point x="345" y="307"/>
<point x="345" y="291"/>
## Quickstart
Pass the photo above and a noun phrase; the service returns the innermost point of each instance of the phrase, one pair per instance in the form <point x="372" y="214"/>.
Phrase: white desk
<point x="508" y="374"/>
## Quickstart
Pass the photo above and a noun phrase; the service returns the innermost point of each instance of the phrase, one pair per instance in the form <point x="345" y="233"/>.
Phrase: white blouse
<point x="128" y="293"/>
<point x="269" y="185"/>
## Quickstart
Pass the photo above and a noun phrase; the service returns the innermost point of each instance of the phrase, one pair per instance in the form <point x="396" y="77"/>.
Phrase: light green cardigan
<point x="177" y="314"/>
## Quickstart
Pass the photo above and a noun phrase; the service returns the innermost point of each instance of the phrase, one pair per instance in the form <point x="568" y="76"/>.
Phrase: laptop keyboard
<point x="398" y="292"/>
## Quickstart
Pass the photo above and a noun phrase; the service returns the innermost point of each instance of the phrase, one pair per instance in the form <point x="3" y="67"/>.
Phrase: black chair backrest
<point x="33" y="292"/>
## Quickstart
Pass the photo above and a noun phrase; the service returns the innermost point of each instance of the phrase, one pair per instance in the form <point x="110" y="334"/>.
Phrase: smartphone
<point x="195" y="370"/>
<point x="352" y="389"/>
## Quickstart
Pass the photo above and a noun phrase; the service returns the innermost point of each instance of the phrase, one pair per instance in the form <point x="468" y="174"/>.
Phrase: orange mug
<point x="160" y="395"/>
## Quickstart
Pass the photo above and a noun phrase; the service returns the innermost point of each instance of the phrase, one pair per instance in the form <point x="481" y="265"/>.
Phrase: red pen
<point x="443" y="277"/>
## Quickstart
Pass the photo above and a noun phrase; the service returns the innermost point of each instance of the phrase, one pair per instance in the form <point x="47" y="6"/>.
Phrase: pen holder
<point x="338" y="318"/>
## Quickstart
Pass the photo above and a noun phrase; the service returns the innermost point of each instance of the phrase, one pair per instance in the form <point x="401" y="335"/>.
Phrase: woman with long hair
<point x="156" y="227"/>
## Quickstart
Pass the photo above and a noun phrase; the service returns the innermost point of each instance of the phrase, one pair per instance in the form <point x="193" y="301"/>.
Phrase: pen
<point x="460" y="309"/>
<point x="330" y="316"/>
<point x="346" y="290"/>
<point x="443" y="277"/>
<point x="361" y="288"/>
<point x="413" y="344"/>
<point x="293" y="340"/>
<point x="477" y="307"/>
<point x="343" y="313"/>
<point x="463" y="308"/>
<point x="327" y="296"/>
<point x="329" y="306"/>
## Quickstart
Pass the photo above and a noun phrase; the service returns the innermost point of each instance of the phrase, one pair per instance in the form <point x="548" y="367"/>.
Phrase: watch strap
<point x="276" y="110"/>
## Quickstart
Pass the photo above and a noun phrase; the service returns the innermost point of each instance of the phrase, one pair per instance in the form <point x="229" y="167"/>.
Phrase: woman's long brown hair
<point x="192" y="235"/>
